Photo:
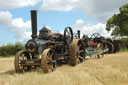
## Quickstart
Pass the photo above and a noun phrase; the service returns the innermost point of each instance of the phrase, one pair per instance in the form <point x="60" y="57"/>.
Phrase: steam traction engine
<point x="91" y="45"/>
<point x="45" y="53"/>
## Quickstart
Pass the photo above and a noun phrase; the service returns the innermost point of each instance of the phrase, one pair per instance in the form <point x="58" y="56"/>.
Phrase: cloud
<point x="59" y="5"/>
<point x="89" y="29"/>
<point x="7" y="4"/>
<point x="99" y="9"/>
<point x="19" y="29"/>
<point x="5" y="17"/>
<point x="16" y="26"/>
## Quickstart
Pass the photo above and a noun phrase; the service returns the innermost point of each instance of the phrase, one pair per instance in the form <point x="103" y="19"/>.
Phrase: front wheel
<point x="20" y="56"/>
<point x="48" y="61"/>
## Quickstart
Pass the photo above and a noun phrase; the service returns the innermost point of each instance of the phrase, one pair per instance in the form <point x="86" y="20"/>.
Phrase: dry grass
<point x="110" y="70"/>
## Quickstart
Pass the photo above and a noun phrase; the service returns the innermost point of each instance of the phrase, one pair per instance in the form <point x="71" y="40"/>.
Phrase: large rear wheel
<point x="76" y="52"/>
<point x="110" y="47"/>
<point x="48" y="61"/>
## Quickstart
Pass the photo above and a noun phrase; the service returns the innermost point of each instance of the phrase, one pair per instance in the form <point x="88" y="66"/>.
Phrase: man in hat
<point x="45" y="33"/>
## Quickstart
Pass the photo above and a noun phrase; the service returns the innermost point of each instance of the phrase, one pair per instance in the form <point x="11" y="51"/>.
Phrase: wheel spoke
<point x="54" y="61"/>
<point x="48" y="58"/>
<point x="79" y="46"/>
<point x="78" y="60"/>
<point x="81" y="51"/>
<point x="51" y="67"/>
<point x="48" y="54"/>
<point x="51" y="55"/>
<point x="81" y="57"/>
<point x="68" y="32"/>
<point x="47" y="61"/>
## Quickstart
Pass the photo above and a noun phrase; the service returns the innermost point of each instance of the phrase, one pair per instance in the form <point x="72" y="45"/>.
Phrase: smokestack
<point x="34" y="23"/>
<point x="78" y="31"/>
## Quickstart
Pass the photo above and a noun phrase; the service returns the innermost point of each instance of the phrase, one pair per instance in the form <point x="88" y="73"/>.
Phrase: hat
<point x="44" y="26"/>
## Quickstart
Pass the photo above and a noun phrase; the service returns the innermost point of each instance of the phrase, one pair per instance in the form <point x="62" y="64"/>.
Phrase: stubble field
<point x="110" y="70"/>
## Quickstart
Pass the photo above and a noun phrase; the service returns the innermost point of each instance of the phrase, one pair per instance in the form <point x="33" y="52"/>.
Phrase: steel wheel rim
<point x="21" y="55"/>
<point x="48" y="61"/>
<point x="80" y="52"/>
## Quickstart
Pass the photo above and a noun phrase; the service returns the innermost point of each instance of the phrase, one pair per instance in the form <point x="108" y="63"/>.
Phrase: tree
<point x="11" y="49"/>
<point x="119" y="22"/>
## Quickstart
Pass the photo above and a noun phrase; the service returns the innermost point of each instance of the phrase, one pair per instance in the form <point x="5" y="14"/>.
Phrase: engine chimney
<point x="34" y="23"/>
<point x="78" y="31"/>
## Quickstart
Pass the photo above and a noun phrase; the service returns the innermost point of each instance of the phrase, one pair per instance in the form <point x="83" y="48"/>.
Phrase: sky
<point x="88" y="16"/>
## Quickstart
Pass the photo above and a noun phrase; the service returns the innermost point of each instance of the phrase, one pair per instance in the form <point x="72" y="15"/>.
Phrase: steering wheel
<point x="95" y="37"/>
<point x="68" y="35"/>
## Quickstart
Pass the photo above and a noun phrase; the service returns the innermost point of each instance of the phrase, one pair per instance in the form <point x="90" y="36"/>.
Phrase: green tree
<point x="119" y="22"/>
<point x="10" y="49"/>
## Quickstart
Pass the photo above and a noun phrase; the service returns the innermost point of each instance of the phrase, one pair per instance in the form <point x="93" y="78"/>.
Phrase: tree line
<point x="124" y="43"/>
<point x="11" y="49"/>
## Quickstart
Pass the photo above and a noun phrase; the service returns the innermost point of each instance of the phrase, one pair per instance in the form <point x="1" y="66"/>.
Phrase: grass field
<point x="110" y="70"/>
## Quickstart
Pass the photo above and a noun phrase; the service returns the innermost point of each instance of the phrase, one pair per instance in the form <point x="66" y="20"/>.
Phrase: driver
<point x="47" y="34"/>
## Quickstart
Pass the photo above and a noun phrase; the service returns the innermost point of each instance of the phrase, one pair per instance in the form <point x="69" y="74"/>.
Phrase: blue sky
<point x="15" y="19"/>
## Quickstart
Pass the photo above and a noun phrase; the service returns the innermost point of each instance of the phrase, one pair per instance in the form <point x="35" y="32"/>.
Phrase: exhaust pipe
<point x="34" y="23"/>
<point x="78" y="31"/>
